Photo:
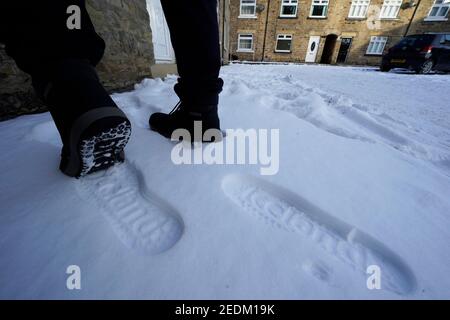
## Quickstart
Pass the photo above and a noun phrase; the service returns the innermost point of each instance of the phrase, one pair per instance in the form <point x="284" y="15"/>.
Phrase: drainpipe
<point x="265" y="31"/>
<point x="412" y="18"/>
<point x="223" y="30"/>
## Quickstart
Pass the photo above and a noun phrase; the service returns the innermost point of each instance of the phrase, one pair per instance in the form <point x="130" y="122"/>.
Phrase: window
<point x="289" y="8"/>
<point x="248" y="8"/>
<point x="376" y="45"/>
<point x="416" y="41"/>
<point x="390" y="9"/>
<point x="284" y="42"/>
<point x="359" y="8"/>
<point x="439" y="10"/>
<point x="319" y="8"/>
<point x="245" y="43"/>
<point x="446" y="39"/>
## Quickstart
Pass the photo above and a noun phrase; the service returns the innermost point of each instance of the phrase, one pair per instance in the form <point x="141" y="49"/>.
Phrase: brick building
<point x="328" y="31"/>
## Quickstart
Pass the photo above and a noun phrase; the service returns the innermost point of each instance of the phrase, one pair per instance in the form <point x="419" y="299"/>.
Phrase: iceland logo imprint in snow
<point x="252" y="146"/>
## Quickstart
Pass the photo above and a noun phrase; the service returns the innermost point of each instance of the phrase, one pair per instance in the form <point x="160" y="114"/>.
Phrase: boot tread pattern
<point x="105" y="149"/>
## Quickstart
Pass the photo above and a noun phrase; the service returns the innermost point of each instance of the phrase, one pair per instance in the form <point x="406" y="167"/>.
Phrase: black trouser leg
<point x="60" y="60"/>
<point x="35" y="33"/>
<point x="194" y="30"/>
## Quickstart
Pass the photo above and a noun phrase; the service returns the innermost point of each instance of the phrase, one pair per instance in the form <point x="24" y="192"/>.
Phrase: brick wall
<point x="336" y="23"/>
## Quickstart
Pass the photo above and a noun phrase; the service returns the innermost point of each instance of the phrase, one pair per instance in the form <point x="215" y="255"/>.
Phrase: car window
<point x="445" y="40"/>
<point x="416" y="41"/>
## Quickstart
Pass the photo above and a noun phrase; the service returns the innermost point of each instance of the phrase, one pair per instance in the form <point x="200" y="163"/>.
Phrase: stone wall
<point x="123" y="24"/>
<point x="16" y="94"/>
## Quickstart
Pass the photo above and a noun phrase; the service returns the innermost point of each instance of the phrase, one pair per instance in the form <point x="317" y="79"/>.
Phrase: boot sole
<point x="100" y="150"/>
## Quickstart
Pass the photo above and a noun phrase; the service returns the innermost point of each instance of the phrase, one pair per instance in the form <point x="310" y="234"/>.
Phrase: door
<point x="443" y="59"/>
<point x="162" y="46"/>
<point x="346" y="43"/>
<point x="226" y="31"/>
<point x="313" y="48"/>
<point x="328" y="49"/>
<point x="446" y="55"/>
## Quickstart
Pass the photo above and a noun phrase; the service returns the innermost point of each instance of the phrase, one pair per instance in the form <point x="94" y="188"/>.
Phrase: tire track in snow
<point x="342" y="117"/>
<point x="285" y="210"/>
<point x="366" y="122"/>
<point x="305" y="104"/>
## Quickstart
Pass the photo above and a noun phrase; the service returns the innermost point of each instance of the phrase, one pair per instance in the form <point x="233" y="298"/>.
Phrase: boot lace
<point x="177" y="108"/>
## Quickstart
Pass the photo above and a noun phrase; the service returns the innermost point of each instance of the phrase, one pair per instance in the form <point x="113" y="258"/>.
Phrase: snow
<point x="364" y="180"/>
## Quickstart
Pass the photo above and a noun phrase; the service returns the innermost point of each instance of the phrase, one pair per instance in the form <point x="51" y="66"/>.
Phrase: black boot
<point x="97" y="142"/>
<point x="197" y="107"/>
<point x="94" y="131"/>
<point x="183" y="117"/>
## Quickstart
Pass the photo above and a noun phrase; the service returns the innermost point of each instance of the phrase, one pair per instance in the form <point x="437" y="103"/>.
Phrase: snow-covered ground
<point x="364" y="179"/>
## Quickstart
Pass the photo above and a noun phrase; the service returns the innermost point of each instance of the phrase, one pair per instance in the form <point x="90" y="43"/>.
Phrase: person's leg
<point x="194" y="32"/>
<point x="61" y="63"/>
<point x="36" y="32"/>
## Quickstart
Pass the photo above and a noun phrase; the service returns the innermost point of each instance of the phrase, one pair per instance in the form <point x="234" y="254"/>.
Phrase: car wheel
<point x="426" y="67"/>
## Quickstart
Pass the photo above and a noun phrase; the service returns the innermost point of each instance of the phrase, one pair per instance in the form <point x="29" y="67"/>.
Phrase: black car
<point x="422" y="53"/>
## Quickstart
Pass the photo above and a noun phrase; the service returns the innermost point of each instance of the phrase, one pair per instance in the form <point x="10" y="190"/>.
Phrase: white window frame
<point x="289" y="3"/>
<point x="315" y="3"/>
<point x="390" y="9"/>
<point x="377" y="45"/>
<point x="358" y="9"/>
<point x="248" y="36"/>
<point x="439" y="5"/>
<point x="283" y="37"/>
<point x="248" y="3"/>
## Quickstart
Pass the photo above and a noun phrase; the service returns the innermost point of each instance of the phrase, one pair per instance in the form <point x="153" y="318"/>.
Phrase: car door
<point x="442" y="53"/>
<point x="446" y="52"/>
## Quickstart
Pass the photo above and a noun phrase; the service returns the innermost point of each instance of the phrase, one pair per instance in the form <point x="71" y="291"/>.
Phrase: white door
<point x="160" y="33"/>
<point x="313" y="48"/>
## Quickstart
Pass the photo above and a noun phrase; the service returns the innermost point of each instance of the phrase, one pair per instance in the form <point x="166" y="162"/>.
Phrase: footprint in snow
<point x="141" y="220"/>
<point x="138" y="217"/>
<point x="285" y="210"/>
